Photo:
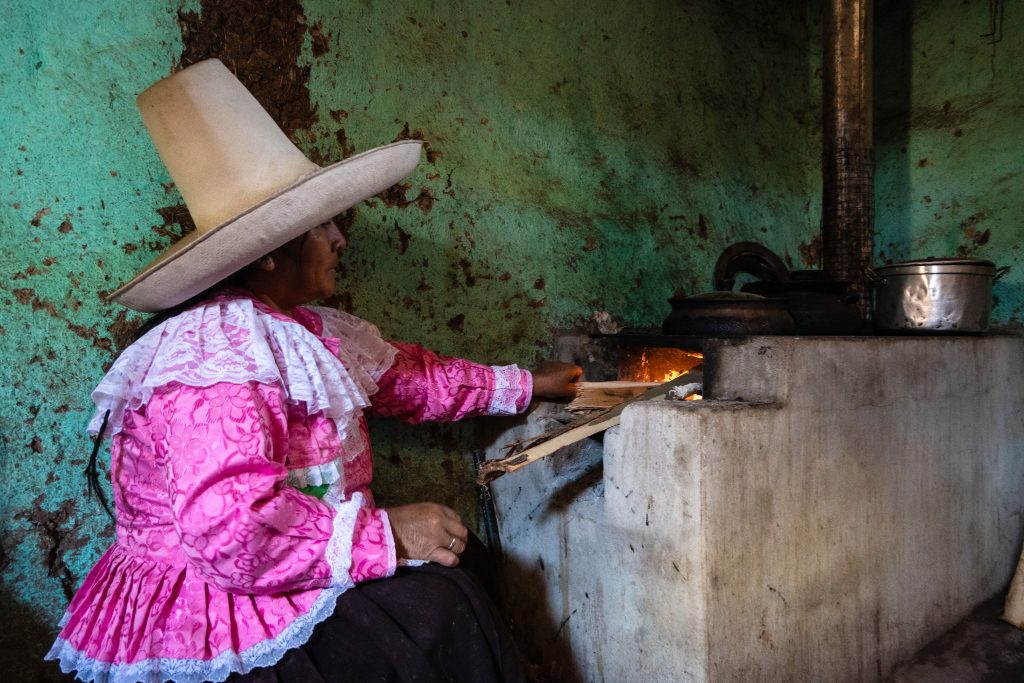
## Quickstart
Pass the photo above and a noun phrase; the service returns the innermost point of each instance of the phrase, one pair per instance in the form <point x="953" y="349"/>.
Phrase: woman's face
<point x="309" y="262"/>
<point x="320" y="254"/>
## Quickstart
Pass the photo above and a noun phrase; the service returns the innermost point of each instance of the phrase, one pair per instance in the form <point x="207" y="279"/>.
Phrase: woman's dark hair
<point x="91" y="474"/>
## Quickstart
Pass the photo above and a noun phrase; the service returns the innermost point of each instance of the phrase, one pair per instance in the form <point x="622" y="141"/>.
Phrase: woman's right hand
<point x="555" y="379"/>
<point x="428" y="531"/>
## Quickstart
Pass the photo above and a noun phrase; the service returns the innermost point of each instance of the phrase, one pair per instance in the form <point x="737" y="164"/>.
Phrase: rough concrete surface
<point x="828" y="533"/>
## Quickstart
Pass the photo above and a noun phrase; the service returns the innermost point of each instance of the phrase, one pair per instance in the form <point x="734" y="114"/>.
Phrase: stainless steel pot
<point x="945" y="296"/>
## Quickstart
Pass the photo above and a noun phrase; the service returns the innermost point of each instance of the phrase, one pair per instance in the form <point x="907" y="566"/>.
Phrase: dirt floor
<point x="980" y="649"/>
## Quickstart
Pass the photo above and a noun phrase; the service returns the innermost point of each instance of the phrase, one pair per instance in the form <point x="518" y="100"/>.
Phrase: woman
<point x="248" y="543"/>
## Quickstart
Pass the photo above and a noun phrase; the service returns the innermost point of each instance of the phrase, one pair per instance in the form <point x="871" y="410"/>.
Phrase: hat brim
<point x="199" y="261"/>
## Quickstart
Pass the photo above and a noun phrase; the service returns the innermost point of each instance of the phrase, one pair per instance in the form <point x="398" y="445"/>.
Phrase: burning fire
<point x="654" y="364"/>
<point x="658" y="365"/>
<point x="671" y="375"/>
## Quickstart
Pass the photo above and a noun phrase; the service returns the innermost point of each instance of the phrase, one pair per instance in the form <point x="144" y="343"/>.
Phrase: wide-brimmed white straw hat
<point x="248" y="188"/>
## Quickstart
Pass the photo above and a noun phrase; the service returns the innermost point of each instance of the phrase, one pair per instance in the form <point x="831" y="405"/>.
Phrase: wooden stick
<point x="1013" y="609"/>
<point x="601" y="395"/>
<point x="546" y="444"/>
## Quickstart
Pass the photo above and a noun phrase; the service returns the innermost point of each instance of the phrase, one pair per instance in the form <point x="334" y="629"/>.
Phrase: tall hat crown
<point x="248" y="188"/>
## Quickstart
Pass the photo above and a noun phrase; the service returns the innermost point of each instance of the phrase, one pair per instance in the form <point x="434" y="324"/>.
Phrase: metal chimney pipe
<point x="848" y="203"/>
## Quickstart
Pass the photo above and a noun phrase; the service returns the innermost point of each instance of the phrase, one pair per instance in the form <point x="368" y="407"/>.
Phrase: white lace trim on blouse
<point x="507" y="390"/>
<point x="264" y="653"/>
<point x="317" y="475"/>
<point x="339" y="547"/>
<point x="362" y="345"/>
<point x="331" y="472"/>
<point x="233" y="341"/>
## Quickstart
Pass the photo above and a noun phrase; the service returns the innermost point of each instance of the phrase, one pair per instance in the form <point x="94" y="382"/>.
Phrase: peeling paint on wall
<point x="574" y="162"/>
<point x="261" y="43"/>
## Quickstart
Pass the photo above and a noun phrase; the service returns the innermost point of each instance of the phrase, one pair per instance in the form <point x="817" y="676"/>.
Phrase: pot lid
<point x="967" y="266"/>
<point x="724" y="298"/>
<point x="748" y="257"/>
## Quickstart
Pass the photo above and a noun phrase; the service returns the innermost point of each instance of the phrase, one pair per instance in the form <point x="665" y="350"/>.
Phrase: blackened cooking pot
<point x="727" y="314"/>
<point x="935" y="296"/>
<point x="818" y="305"/>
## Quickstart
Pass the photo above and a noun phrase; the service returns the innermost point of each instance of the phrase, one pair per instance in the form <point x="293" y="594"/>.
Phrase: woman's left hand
<point x="428" y="531"/>
<point x="555" y="379"/>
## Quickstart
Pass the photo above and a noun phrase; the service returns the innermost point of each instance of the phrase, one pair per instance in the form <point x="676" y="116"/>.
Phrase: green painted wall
<point x="581" y="158"/>
<point x="949" y="135"/>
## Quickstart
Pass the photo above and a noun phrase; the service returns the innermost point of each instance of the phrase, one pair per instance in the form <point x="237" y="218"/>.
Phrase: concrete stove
<point x="830" y="507"/>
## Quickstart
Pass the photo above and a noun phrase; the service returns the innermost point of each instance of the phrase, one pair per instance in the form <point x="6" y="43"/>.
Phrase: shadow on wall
<point x="551" y="621"/>
<point x="24" y="639"/>
<point x="893" y="63"/>
<point x="550" y="664"/>
<point x="554" y="661"/>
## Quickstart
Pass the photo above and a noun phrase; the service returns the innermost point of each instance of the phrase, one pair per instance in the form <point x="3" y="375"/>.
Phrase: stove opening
<point x="656" y="364"/>
<point x="646" y="366"/>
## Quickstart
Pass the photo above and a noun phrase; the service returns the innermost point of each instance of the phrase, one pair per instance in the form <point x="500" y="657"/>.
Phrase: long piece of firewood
<point x="601" y="395"/>
<point x="546" y="444"/>
<point x="1013" y="608"/>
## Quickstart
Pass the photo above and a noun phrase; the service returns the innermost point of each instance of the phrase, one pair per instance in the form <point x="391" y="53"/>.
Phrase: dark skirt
<point x="425" y="624"/>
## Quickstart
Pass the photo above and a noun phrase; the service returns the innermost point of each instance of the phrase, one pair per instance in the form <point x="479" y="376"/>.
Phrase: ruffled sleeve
<point x="424" y="386"/>
<point x="240" y="525"/>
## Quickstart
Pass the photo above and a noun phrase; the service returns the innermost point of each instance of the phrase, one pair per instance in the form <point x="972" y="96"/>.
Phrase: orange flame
<point x="659" y="365"/>
<point x="642" y="369"/>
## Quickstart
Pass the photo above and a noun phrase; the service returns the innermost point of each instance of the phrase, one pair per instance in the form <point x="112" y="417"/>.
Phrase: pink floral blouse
<point x="224" y="419"/>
